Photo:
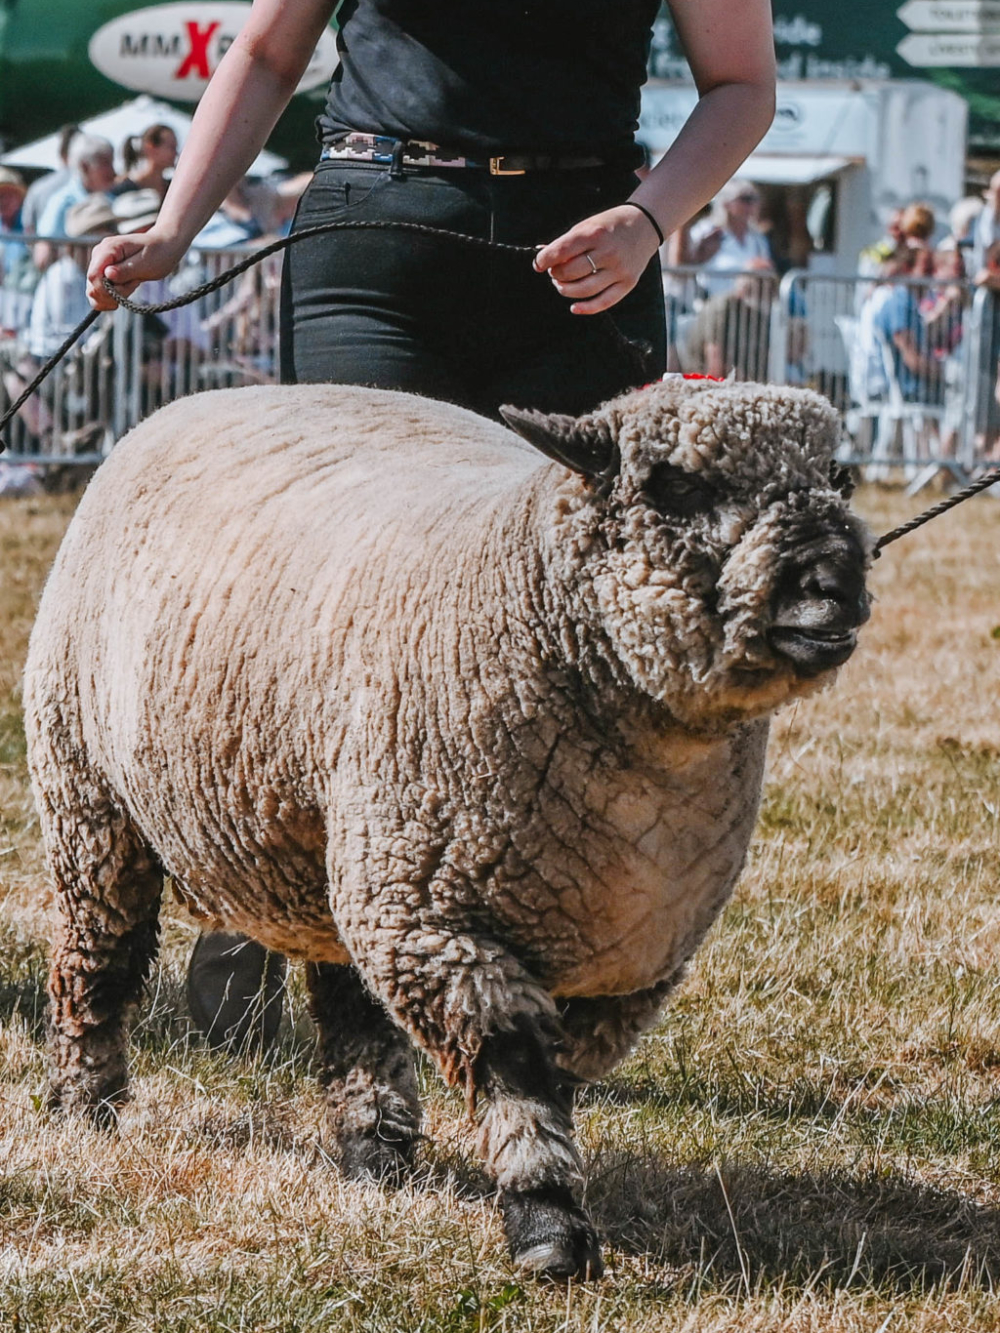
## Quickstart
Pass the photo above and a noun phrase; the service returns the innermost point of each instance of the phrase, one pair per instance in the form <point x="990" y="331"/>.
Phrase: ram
<point x="477" y="734"/>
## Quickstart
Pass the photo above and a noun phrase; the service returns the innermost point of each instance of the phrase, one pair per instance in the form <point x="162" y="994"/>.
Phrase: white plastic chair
<point x="903" y="429"/>
<point x="916" y="424"/>
<point x="865" y="405"/>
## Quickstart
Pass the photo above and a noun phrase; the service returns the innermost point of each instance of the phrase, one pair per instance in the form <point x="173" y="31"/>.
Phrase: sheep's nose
<point x="835" y="577"/>
<point x="819" y="603"/>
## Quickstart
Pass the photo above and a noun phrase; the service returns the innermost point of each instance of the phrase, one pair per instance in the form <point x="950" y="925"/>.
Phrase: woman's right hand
<point x="127" y="261"/>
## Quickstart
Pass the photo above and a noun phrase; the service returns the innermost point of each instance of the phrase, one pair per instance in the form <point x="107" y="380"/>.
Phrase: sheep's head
<point x="712" y="535"/>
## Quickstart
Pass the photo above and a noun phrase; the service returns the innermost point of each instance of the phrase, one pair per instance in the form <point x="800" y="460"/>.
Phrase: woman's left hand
<point x="600" y="260"/>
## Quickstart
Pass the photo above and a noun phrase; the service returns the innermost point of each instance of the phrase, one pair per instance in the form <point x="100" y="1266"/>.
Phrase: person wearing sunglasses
<point x="731" y="235"/>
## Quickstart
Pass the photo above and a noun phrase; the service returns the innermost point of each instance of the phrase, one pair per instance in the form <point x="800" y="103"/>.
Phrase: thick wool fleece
<point x="371" y="679"/>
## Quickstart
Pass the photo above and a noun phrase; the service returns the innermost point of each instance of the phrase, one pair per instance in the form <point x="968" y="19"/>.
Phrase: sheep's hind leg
<point x="108" y="889"/>
<point x="367" y="1069"/>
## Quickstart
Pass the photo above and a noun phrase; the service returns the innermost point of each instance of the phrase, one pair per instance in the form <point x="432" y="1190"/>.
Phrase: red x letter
<point x="196" y="60"/>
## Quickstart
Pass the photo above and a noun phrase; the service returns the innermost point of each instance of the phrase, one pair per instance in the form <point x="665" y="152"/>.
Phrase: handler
<point x="511" y="122"/>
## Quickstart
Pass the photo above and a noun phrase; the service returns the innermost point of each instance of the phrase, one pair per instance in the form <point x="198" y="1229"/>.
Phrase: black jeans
<point x="431" y="315"/>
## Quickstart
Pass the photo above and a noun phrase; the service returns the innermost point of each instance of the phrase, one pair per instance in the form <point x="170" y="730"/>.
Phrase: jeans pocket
<point x="337" y="190"/>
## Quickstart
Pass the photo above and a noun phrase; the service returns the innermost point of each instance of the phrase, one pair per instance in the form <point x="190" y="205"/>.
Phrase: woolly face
<point x="713" y="534"/>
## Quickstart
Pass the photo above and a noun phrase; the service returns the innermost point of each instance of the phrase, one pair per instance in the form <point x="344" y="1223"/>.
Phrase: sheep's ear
<point x="582" y="445"/>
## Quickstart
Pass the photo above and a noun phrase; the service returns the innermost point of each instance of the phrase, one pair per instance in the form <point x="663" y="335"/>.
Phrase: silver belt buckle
<point x="498" y="169"/>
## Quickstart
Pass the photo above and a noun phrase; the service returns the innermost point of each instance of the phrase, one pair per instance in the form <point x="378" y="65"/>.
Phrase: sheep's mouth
<point x="813" y="649"/>
<point x="819" y="604"/>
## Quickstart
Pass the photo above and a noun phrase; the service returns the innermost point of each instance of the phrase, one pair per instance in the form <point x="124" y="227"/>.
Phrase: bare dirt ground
<point x="807" y="1142"/>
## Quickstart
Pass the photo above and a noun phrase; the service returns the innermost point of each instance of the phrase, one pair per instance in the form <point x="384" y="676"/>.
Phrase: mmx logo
<point x="172" y="50"/>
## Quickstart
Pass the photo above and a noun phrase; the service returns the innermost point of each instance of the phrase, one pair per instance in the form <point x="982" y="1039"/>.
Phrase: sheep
<point x="472" y="721"/>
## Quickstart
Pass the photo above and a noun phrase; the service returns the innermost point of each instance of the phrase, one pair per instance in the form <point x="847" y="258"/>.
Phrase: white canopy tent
<point x="116" y="125"/>
<point x="862" y="148"/>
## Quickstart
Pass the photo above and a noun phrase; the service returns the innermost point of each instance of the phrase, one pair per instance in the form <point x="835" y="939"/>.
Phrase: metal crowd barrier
<point x="125" y="366"/>
<point x="910" y="363"/>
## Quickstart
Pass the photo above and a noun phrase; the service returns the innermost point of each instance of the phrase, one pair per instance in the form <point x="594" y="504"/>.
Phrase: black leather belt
<point x="382" y="148"/>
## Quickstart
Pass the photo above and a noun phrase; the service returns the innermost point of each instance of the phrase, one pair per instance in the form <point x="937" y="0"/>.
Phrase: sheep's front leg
<point x="367" y="1071"/>
<point x="492" y="1027"/>
<point x="527" y="1141"/>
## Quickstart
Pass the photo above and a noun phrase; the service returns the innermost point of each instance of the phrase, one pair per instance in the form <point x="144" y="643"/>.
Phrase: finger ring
<point x="590" y="260"/>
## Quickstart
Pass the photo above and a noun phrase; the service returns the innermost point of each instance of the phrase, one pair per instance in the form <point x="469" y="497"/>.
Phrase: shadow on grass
<point x="744" y="1225"/>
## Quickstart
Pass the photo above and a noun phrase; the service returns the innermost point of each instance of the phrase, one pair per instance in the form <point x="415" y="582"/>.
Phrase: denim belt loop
<point x="396" y="171"/>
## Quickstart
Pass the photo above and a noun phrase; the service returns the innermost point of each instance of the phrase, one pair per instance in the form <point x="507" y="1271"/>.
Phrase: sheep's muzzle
<point x="819" y="603"/>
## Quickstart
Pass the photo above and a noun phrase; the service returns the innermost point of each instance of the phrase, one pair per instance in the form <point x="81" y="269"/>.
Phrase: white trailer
<point x="861" y="149"/>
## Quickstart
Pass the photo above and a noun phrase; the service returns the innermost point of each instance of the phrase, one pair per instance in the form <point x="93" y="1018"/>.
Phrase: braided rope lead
<point x="982" y="483"/>
<point x="634" y="350"/>
<point x="142" y="308"/>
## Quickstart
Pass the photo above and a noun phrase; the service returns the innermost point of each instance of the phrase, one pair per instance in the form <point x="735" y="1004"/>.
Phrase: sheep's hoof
<point x="370" y="1157"/>
<point x="549" y="1235"/>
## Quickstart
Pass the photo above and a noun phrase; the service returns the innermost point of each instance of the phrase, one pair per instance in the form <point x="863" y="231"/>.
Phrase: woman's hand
<point x="600" y="260"/>
<point x="127" y="261"/>
<point x="238" y="110"/>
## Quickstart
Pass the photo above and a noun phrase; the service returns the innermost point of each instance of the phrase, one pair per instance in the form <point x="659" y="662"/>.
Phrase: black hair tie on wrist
<point x="648" y="214"/>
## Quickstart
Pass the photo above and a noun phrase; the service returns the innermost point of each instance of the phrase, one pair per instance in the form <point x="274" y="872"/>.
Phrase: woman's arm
<point x="237" y="112"/>
<point x="730" y="48"/>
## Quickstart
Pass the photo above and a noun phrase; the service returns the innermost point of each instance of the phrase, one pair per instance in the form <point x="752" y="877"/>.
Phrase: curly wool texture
<point x="374" y="681"/>
<point x="689" y="604"/>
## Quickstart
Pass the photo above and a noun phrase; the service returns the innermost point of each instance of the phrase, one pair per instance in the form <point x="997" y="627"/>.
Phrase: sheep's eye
<point x="674" y="491"/>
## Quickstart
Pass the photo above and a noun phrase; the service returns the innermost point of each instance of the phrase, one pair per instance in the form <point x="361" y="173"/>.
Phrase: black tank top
<point x="487" y="76"/>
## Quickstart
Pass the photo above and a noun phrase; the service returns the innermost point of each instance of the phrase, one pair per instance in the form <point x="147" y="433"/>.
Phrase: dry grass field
<point x="809" y="1141"/>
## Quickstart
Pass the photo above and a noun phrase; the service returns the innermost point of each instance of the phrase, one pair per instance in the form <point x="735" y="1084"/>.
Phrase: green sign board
<point x="63" y="60"/>
<point x="66" y="60"/>
<point x="953" y="43"/>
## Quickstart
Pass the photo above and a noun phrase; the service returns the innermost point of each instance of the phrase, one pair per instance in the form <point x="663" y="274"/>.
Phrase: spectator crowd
<point x="46" y="231"/>
<point x="905" y="335"/>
